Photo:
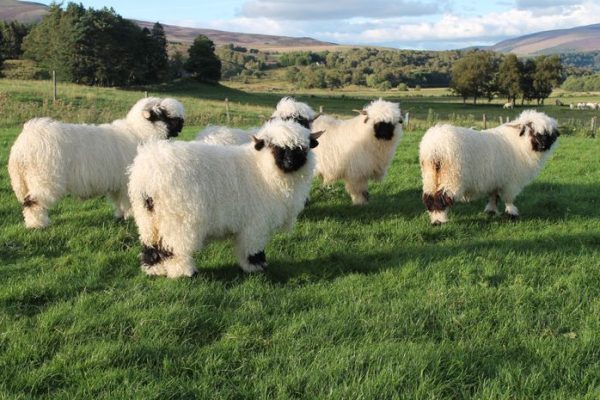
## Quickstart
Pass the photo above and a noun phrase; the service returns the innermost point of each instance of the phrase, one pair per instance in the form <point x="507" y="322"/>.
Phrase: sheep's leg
<point x="508" y="197"/>
<point x="37" y="202"/>
<point x="122" y="205"/>
<point x="438" y="205"/>
<point x="492" y="206"/>
<point x="250" y="249"/>
<point x="358" y="191"/>
<point x="35" y="212"/>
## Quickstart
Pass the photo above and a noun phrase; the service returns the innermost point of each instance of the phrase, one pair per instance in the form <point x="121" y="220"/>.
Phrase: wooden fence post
<point x="484" y="122"/>
<point x="54" y="93"/>
<point x="320" y="109"/>
<point x="593" y="127"/>
<point x="146" y="93"/>
<point x="407" y="120"/>
<point x="227" y="110"/>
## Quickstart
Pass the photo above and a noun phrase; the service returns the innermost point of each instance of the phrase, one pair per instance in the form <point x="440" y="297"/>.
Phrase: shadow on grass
<point x="337" y="264"/>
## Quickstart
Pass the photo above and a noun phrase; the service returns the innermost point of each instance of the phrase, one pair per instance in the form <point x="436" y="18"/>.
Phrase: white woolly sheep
<point x="359" y="149"/>
<point x="460" y="164"/>
<point x="592" y="106"/>
<point x="509" y="105"/>
<point x="184" y="193"/>
<point x="287" y="109"/>
<point x="51" y="159"/>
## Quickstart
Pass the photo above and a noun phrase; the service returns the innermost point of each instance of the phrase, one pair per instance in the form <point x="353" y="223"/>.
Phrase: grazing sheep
<point x="358" y="149"/>
<point x="51" y="159"/>
<point x="459" y="164"/>
<point x="572" y="106"/>
<point x="287" y="108"/>
<point x="582" y="106"/>
<point x="184" y="193"/>
<point x="592" y="106"/>
<point x="509" y="105"/>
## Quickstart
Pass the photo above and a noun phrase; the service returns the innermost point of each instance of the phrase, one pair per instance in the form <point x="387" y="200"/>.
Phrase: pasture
<point x="358" y="302"/>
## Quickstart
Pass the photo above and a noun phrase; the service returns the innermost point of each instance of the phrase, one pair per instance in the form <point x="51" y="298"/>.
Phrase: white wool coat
<point x="51" y="158"/>
<point x="200" y="192"/>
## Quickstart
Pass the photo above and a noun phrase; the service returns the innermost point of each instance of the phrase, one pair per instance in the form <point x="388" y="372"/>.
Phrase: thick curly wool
<point x="184" y="193"/>
<point x="51" y="159"/>
<point x="286" y="109"/>
<point x="460" y="164"/>
<point x="349" y="149"/>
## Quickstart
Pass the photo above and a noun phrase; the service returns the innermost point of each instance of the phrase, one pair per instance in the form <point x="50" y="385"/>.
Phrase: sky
<point x="407" y="24"/>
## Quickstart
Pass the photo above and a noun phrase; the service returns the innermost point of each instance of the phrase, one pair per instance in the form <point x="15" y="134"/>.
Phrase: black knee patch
<point x="258" y="259"/>
<point x="438" y="201"/>
<point x="148" y="202"/>
<point x="154" y="255"/>
<point x="29" y="202"/>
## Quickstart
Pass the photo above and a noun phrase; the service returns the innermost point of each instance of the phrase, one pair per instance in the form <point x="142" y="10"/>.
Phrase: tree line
<point x="484" y="74"/>
<point x="99" y="47"/>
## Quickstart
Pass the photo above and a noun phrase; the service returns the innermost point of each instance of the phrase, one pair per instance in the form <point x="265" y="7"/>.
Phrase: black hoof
<point x="436" y="223"/>
<point x="366" y="195"/>
<point x="490" y="214"/>
<point x="512" y="217"/>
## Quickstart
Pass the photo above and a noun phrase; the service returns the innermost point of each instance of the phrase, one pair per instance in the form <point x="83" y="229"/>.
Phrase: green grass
<point x="359" y="302"/>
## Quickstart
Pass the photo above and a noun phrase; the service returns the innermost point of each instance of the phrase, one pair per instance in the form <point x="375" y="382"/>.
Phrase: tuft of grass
<point x="359" y="302"/>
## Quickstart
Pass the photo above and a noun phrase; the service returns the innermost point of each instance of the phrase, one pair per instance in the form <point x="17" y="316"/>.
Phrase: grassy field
<point x="358" y="303"/>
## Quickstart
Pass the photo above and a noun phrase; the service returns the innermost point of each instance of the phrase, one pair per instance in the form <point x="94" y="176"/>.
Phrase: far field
<point x="358" y="302"/>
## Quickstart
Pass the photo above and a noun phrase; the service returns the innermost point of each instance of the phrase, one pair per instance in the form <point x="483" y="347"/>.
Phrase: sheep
<point x="582" y="106"/>
<point x="50" y="158"/>
<point x="572" y="106"/>
<point x="592" y="106"/>
<point x="287" y="108"/>
<point x="184" y="193"/>
<point x="359" y="149"/>
<point x="459" y="164"/>
<point x="508" y="105"/>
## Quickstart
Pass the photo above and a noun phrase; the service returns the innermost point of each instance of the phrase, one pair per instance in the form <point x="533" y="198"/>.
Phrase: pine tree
<point x="202" y="63"/>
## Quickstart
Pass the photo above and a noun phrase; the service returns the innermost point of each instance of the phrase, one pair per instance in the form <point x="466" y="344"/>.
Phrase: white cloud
<point x="308" y="10"/>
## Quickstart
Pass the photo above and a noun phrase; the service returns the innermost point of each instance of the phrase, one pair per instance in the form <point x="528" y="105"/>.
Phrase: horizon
<point x="404" y="24"/>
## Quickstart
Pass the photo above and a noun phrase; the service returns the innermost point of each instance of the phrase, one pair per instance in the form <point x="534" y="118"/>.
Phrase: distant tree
<point x="96" y="47"/>
<point x="202" y="62"/>
<point x="527" y="74"/>
<point x="12" y="33"/>
<point x="548" y="75"/>
<point x="159" y="59"/>
<point x="176" y="63"/>
<point x="473" y="75"/>
<point x="509" y="77"/>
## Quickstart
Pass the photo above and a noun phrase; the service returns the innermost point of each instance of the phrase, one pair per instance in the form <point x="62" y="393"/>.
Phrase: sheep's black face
<point x="174" y="124"/>
<point x="384" y="130"/>
<point x="543" y="141"/>
<point x="289" y="159"/>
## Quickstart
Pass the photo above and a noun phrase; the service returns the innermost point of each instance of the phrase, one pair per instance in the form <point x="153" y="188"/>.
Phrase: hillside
<point x="574" y="40"/>
<point x="23" y="11"/>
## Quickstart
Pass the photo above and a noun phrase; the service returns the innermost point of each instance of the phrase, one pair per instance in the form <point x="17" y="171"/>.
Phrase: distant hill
<point x="575" y="40"/>
<point x="24" y="11"/>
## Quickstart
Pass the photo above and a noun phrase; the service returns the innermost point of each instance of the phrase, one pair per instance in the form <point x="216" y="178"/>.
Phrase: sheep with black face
<point x="51" y="159"/>
<point x="359" y="149"/>
<point x="287" y="109"/>
<point x="461" y="164"/>
<point x="184" y="193"/>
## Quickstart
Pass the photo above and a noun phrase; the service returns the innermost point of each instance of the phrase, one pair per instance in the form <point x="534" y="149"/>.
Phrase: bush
<point x="24" y="70"/>
<point x="402" y="87"/>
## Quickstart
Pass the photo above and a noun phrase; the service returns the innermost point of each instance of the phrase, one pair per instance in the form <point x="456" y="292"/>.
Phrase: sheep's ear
<point x="146" y="114"/>
<point x="525" y="128"/>
<point x="258" y="143"/>
<point x="313" y="139"/>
